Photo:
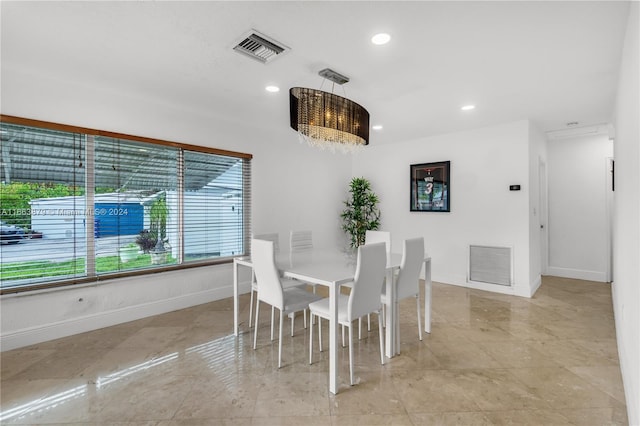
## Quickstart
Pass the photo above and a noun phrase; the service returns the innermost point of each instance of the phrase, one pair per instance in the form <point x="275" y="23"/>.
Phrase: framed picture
<point x="431" y="187"/>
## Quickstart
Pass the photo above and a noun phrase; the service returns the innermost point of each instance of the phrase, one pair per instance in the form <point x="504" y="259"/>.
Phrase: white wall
<point x="294" y="186"/>
<point x="626" y="218"/>
<point x="484" y="163"/>
<point x="578" y="222"/>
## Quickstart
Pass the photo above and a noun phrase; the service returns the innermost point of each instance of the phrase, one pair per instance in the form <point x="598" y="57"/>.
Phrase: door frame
<point x="543" y="215"/>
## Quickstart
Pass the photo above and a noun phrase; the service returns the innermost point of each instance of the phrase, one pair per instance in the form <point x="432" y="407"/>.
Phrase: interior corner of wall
<point x="535" y="285"/>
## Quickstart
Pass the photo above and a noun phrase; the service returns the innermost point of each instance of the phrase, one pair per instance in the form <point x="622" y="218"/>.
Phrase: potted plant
<point x="158" y="214"/>
<point x="152" y="239"/>
<point x="146" y="240"/>
<point x="159" y="253"/>
<point x="128" y="252"/>
<point x="361" y="211"/>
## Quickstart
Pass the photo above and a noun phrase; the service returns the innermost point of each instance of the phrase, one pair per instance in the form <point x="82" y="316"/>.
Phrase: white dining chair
<point x="363" y="299"/>
<point x="288" y="283"/>
<point x="300" y="241"/>
<point x="254" y="286"/>
<point x="372" y="237"/>
<point x="272" y="289"/>
<point x="408" y="279"/>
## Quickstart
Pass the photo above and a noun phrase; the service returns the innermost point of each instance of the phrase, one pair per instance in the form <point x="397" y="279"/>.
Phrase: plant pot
<point x="158" y="257"/>
<point x="128" y="253"/>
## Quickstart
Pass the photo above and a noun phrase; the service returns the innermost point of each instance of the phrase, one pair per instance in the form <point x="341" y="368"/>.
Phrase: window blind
<point x="83" y="206"/>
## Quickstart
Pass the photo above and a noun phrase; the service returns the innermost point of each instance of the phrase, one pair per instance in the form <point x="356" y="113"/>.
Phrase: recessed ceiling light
<point x="272" y="89"/>
<point x="468" y="107"/>
<point x="377" y="127"/>
<point x="382" y="38"/>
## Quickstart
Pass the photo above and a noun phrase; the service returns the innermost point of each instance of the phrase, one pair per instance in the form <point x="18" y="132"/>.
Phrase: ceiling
<point x="551" y="62"/>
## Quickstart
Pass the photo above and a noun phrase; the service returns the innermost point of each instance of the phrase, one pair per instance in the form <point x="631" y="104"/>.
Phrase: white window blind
<point x="76" y="207"/>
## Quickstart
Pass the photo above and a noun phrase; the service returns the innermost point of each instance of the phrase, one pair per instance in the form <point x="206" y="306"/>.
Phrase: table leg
<point x="427" y="295"/>
<point x="236" y="304"/>
<point x="396" y="322"/>
<point x="333" y="338"/>
<point x="390" y="332"/>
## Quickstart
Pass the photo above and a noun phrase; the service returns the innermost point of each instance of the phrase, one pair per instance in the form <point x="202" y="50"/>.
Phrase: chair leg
<point x="419" y="316"/>
<point x="292" y="315"/>
<point x="310" y="342"/>
<point x="381" y="338"/>
<point x="255" y="327"/>
<point x="305" y="318"/>
<point x="251" y="309"/>
<point x="280" y="339"/>
<point x="253" y="280"/>
<point x="359" y="329"/>
<point x="368" y="322"/>
<point x="384" y="315"/>
<point x="350" y="354"/>
<point x="319" y="331"/>
<point x="343" y="345"/>
<point x="272" y="316"/>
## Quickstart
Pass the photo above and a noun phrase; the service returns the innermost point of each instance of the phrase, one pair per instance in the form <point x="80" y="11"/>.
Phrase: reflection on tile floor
<point x="490" y="359"/>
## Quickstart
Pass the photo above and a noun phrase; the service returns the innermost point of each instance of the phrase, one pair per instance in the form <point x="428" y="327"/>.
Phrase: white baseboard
<point x="578" y="274"/>
<point x="39" y="334"/>
<point x="462" y="281"/>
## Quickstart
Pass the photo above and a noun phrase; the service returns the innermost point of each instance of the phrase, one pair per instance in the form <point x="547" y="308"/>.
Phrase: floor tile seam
<point x="590" y="386"/>
<point x="556" y="411"/>
<point x="590" y="342"/>
<point x="479" y="410"/>
<point x="531" y="343"/>
<point x="514" y="377"/>
<point x="605" y="390"/>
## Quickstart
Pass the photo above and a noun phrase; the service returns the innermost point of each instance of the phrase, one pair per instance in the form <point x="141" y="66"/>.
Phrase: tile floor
<point x="490" y="359"/>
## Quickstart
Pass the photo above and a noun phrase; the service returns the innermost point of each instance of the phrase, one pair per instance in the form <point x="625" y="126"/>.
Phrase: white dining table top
<point x="321" y="266"/>
<point x="324" y="267"/>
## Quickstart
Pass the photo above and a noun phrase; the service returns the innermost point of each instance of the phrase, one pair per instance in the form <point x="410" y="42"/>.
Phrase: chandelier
<point x="326" y="120"/>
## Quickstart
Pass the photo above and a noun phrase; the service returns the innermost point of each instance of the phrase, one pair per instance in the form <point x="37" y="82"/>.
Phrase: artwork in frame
<point x="431" y="187"/>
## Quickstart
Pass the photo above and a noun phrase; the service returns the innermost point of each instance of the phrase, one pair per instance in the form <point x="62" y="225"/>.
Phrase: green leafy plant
<point x="154" y="237"/>
<point x="146" y="240"/>
<point x="158" y="214"/>
<point x="361" y="211"/>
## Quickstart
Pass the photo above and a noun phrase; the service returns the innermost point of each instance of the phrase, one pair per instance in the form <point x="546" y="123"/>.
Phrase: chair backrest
<point x="372" y="237"/>
<point x="267" y="278"/>
<point x="300" y="240"/>
<point x="367" y="285"/>
<point x="410" y="267"/>
<point x="270" y="237"/>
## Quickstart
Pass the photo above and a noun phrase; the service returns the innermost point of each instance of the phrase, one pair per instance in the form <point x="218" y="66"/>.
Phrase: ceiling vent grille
<point x="260" y="47"/>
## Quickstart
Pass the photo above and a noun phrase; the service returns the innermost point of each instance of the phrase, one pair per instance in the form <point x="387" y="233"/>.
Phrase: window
<point x="80" y="205"/>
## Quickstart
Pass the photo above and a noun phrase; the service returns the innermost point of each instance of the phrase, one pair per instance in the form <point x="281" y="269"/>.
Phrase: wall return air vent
<point x="260" y="47"/>
<point x="492" y="265"/>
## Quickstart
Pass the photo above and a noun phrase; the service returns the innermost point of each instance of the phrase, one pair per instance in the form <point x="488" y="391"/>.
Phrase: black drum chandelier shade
<point x="328" y="121"/>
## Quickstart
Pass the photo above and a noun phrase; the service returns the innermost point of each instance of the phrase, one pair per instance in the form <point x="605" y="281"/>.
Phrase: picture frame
<point x="430" y="187"/>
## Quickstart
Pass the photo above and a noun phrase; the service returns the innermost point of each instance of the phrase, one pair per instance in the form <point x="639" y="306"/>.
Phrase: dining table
<point x="333" y="268"/>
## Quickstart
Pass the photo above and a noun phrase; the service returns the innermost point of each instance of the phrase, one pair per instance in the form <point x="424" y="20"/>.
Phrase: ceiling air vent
<point x="260" y="47"/>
